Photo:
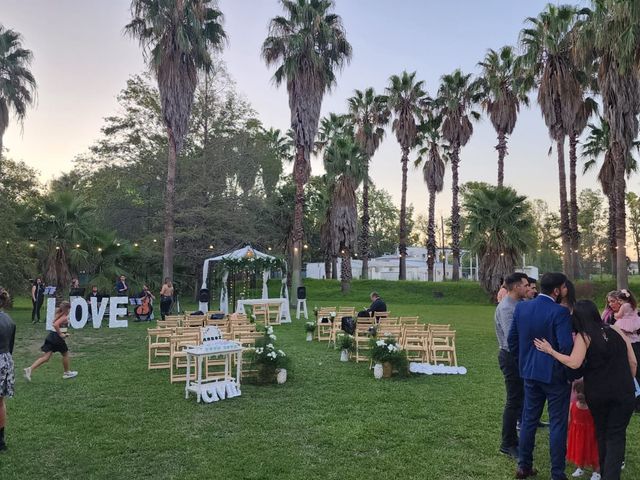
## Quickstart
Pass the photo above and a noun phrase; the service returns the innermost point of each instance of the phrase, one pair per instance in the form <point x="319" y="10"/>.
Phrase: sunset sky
<point x="82" y="60"/>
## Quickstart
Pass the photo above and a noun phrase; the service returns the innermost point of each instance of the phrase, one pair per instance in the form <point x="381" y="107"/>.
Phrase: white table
<point x="285" y="316"/>
<point x="230" y="386"/>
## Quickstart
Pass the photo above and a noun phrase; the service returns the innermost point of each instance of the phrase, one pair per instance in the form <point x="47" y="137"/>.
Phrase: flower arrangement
<point x="268" y="358"/>
<point x="346" y="342"/>
<point x="387" y="350"/>
<point x="310" y="327"/>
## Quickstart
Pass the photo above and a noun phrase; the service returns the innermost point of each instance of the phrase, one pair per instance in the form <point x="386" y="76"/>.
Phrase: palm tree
<point x="345" y="166"/>
<point x="308" y="46"/>
<point x="331" y="126"/>
<point x="612" y="34"/>
<point x="370" y="114"/>
<point x="499" y="228"/>
<point x="17" y="84"/>
<point x="596" y="145"/>
<point x="457" y="95"/>
<point x="503" y="92"/>
<point x="177" y="38"/>
<point x="547" y="57"/>
<point x="432" y="156"/>
<point x="405" y="99"/>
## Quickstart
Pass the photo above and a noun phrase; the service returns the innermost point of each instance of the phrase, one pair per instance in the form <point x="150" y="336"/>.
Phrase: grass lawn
<point x="331" y="420"/>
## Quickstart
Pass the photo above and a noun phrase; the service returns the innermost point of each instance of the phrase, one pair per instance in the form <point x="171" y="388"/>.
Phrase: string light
<point x="306" y="246"/>
<point x="210" y="247"/>
<point x="31" y="245"/>
<point x="77" y="245"/>
<point x="155" y="241"/>
<point x="117" y="244"/>
<point x="502" y="254"/>
<point x="135" y="244"/>
<point x="99" y="249"/>
<point x="269" y="248"/>
<point x="57" y="248"/>
<point x="295" y="249"/>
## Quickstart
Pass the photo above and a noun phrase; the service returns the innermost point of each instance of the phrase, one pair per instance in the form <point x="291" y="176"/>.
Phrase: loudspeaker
<point x="302" y="293"/>
<point x="204" y="296"/>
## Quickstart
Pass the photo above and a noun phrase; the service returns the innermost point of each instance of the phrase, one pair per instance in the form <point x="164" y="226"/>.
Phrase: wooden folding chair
<point x="395" y="331"/>
<point x="442" y="347"/>
<point x="242" y="330"/>
<point x="388" y="321"/>
<point x="408" y="320"/>
<point x="180" y="342"/>
<point x="248" y="342"/>
<point x="274" y="311"/>
<point x="170" y="321"/>
<point x="325" y="325"/>
<point x="261" y="313"/>
<point x="433" y="327"/>
<point x="415" y="341"/>
<point x="159" y="348"/>
<point x="362" y="337"/>
<point x="193" y="321"/>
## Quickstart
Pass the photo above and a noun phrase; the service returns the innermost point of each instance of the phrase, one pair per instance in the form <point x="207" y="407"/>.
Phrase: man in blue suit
<point x="544" y="378"/>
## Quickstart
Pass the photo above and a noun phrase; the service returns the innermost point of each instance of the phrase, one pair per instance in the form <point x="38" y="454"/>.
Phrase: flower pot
<point x="344" y="355"/>
<point x="387" y="370"/>
<point x="309" y="336"/>
<point x="281" y="376"/>
<point x="377" y="371"/>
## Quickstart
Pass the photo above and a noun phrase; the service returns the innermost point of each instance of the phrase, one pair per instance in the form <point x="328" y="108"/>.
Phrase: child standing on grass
<point x="55" y="343"/>
<point x="582" y="446"/>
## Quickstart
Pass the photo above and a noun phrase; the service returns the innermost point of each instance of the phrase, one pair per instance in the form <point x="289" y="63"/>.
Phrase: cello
<point x="145" y="308"/>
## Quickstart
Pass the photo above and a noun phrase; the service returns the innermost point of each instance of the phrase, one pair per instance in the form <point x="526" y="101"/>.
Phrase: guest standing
<point x="517" y="286"/>
<point x="608" y="380"/>
<point x="123" y="290"/>
<point x="55" y="343"/>
<point x="7" y="376"/>
<point x="545" y="379"/>
<point x="166" y="297"/>
<point x="613" y="305"/>
<point x="582" y="446"/>
<point x="628" y="321"/>
<point x="37" y="298"/>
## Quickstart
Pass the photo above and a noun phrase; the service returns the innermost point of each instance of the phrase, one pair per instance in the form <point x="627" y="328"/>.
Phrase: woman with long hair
<point x="55" y="343"/>
<point x="37" y="297"/>
<point x="7" y="376"/>
<point x="608" y="380"/>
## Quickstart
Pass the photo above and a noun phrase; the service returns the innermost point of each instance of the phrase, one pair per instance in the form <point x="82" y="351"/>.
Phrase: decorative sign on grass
<point x="117" y="310"/>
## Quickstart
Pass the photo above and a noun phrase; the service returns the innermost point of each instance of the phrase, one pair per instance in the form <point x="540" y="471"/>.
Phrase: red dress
<point x="582" y="447"/>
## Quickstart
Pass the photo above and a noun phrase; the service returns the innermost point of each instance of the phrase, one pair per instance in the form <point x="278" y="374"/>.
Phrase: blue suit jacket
<point x="540" y="318"/>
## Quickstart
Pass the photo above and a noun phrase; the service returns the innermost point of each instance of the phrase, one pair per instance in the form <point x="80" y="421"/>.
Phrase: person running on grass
<point x="55" y="343"/>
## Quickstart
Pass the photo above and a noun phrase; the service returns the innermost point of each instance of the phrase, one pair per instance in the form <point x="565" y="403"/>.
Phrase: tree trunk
<point x="455" y="212"/>
<point x="403" y="217"/>
<point x="297" y="232"/>
<point x="501" y="147"/>
<point x="573" y="202"/>
<point x="431" y="236"/>
<point x="169" y="209"/>
<point x="334" y="268"/>
<point x="565" y="229"/>
<point x="619" y="191"/>
<point x="364" y="235"/>
<point x="327" y="267"/>
<point x="345" y="271"/>
<point x="611" y="234"/>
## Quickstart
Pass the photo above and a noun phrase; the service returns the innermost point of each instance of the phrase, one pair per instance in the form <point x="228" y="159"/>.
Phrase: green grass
<point x="331" y="420"/>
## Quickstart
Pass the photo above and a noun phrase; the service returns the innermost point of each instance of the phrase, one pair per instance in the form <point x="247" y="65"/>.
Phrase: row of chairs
<point x="432" y="343"/>
<point x="166" y="350"/>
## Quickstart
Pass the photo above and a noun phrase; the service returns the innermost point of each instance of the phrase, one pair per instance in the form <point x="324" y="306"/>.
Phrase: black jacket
<point x="378" y="305"/>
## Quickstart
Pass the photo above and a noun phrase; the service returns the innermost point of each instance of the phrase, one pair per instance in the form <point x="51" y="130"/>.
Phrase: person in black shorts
<point x="55" y="343"/>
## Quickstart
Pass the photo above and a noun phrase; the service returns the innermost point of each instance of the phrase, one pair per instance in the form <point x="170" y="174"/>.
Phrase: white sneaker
<point x="69" y="374"/>
<point x="595" y="476"/>
<point x="578" y="473"/>
<point x="27" y="374"/>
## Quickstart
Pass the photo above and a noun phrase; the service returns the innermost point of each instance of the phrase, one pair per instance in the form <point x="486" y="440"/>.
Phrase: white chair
<point x="302" y="302"/>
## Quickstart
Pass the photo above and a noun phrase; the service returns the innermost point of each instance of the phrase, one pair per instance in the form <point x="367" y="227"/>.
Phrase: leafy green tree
<point x="499" y="228"/>
<point x="504" y="90"/>
<point x="633" y="204"/>
<point x="369" y="114"/>
<point x="177" y="38"/>
<point x="384" y="221"/>
<point x="308" y="45"/>
<point x="591" y="220"/>
<point x="405" y="97"/>
<point x="457" y="96"/>
<point x="17" y="83"/>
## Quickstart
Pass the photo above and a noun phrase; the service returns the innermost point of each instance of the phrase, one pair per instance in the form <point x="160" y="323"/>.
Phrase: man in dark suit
<point x="544" y="378"/>
<point x="377" y="305"/>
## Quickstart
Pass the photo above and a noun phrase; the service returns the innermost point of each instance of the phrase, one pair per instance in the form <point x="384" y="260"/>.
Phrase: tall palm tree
<point x="308" y="45"/>
<point x="547" y="45"/>
<point x="596" y="145"/>
<point x="331" y="126"/>
<point x="369" y="114"/>
<point x="499" y="228"/>
<point x="457" y="96"/>
<point x="432" y="155"/>
<point x="405" y="98"/>
<point x="177" y="38"/>
<point x="345" y="166"/>
<point x="612" y="34"/>
<point x="17" y="84"/>
<point x="504" y="90"/>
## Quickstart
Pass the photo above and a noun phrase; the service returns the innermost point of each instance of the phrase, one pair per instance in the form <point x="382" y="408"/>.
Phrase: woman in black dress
<point x="7" y="376"/>
<point x="55" y="343"/>
<point x="608" y="381"/>
<point x="37" y="297"/>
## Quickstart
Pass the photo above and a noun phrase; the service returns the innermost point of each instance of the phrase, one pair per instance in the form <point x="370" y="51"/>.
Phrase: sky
<point x="82" y="60"/>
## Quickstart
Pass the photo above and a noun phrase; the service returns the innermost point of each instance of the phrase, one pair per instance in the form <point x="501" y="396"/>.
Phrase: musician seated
<point x="145" y="309"/>
<point x="377" y="305"/>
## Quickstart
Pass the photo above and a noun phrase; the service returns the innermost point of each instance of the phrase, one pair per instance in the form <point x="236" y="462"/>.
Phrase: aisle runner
<point x="428" y="369"/>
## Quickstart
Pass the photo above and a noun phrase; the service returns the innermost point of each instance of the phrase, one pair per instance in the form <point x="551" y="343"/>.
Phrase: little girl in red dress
<point x="582" y="447"/>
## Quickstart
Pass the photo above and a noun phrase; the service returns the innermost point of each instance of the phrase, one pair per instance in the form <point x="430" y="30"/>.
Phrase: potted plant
<point x="346" y="343"/>
<point x="270" y="361"/>
<point x="310" y="327"/>
<point x="387" y="357"/>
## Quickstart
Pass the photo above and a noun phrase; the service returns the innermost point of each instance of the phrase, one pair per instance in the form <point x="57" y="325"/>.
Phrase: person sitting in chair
<point x="377" y="305"/>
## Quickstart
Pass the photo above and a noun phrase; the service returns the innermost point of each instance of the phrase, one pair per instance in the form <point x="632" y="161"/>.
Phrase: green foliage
<point x="346" y="342"/>
<point x="268" y="358"/>
<point x="387" y="349"/>
<point x="310" y="327"/>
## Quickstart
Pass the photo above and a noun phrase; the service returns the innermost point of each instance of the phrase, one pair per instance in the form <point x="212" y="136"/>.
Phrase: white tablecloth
<point x="285" y="316"/>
